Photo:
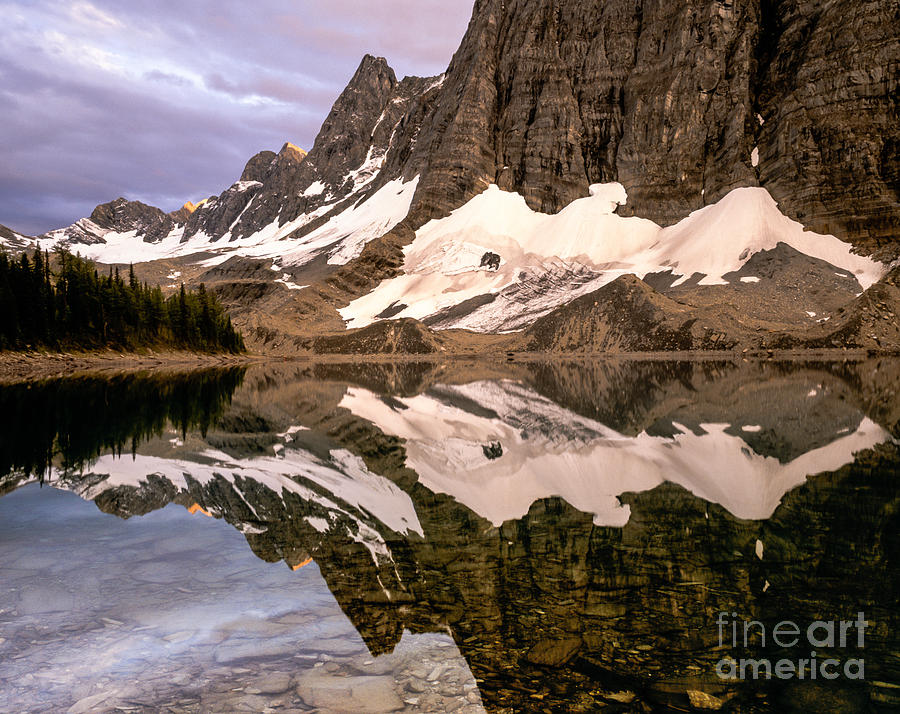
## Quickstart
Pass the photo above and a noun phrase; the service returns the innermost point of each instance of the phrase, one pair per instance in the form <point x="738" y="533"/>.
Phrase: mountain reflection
<point x="69" y="422"/>
<point x="577" y="528"/>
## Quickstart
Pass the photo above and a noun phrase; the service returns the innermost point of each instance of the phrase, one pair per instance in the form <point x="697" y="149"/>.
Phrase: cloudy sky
<point x="163" y="101"/>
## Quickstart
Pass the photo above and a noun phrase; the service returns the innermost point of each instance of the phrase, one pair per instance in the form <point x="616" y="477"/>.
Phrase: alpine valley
<point x="609" y="176"/>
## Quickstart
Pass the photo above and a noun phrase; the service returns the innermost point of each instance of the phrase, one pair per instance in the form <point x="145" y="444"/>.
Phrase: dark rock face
<point x="546" y="98"/>
<point x="828" y="93"/>
<point x="491" y="261"/>
<point x="122" y="216"/>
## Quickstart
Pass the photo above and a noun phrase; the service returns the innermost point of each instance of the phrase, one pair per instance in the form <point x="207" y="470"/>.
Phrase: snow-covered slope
<point x="585" y="246"/>
<point x="341" y="238"/>
<point x="11" y="239"/>
<point x="545" y="450"/>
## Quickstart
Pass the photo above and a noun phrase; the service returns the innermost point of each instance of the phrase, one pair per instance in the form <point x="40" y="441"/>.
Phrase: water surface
<point x="448" y="537"/>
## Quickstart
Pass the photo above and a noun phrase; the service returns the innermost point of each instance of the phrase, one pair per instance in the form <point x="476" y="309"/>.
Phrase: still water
<point x="468" y="537"/>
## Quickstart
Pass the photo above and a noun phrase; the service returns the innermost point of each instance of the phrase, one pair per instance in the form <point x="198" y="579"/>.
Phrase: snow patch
<point x="355" y="227"/>
<point x="320" y="524"/>
<point x="286" y="281"/>
<point x="288" y="436"/>
<point x="245" y="185"/>
<point x="316" y="188"/>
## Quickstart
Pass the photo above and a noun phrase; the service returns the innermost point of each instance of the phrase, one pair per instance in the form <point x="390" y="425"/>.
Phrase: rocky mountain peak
<point x="292" y="151"/>
<point x="348" y="159"/>
<point x="122" y="216"/>
<point x="372" y="68"/>
<point x="258" y="168"/>
<point x="182" y="215"/>
<point x="343" y="141"/>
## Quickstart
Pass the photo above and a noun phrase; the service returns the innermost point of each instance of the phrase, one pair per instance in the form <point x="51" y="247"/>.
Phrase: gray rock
<point x="43" y="598"/>
<point x="554" y="652"/>
<point x="546" y="98"/>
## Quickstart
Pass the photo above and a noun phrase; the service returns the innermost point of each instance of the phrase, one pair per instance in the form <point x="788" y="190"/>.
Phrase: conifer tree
<point x="76" y="307"/>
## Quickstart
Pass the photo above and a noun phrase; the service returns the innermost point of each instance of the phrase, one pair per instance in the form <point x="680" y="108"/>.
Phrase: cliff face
<point x="681" y="102"/>
<point x="829" y="92"/>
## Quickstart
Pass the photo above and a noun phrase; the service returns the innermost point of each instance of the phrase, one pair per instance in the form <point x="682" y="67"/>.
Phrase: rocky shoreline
<point x="36" y="366"/>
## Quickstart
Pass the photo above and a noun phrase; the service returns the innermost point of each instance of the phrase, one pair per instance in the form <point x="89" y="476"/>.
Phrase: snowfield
<point x="443" y="266"/>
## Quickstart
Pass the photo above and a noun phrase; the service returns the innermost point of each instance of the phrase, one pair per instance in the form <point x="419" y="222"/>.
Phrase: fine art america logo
<point x="846" y="636"/>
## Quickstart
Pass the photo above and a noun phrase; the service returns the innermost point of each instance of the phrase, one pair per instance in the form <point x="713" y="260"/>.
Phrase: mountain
<point x="16" y="241"/>
<point x="679" y="102"/>
<point x="566" y="145"/>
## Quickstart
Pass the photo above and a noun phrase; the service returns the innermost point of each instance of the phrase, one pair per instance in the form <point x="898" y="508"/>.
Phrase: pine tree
<point x="77" y="307"/>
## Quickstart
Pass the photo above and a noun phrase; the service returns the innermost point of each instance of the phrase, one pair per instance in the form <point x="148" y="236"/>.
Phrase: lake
<point x="617" y="536"/>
